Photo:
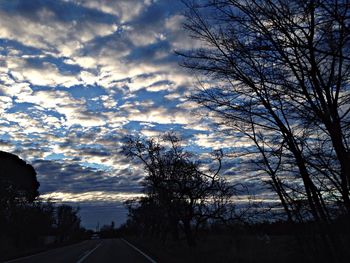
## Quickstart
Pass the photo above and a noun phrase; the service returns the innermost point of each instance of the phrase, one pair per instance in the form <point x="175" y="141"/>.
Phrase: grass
<point x="223" y="248"/>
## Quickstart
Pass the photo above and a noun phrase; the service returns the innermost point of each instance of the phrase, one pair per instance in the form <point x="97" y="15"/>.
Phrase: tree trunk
<point x="189" y="234"/>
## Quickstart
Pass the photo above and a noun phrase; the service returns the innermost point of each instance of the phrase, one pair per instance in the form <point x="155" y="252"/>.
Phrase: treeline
<point x="275" y="75"/>
<point x="180" y="196"/>
<point x="187" y="200"/>
<point x="109" y="231"/>
<point x="27" y="222"/>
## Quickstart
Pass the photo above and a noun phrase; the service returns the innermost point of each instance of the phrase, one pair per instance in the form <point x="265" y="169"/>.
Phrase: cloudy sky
<point x="77" y="76"/>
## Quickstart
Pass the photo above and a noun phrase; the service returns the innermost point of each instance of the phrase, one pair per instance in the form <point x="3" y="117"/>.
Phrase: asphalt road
<point x="90" y="251"/>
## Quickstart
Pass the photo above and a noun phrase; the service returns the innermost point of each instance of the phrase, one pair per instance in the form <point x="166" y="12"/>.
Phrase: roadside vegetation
<point x="27" y="223"/>
<point x="275" y="73"/>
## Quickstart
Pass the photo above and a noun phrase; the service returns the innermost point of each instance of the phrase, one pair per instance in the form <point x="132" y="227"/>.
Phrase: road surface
<point x="91" y="251"/>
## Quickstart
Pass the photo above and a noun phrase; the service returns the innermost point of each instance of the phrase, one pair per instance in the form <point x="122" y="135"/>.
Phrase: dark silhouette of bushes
<point x="27" y="222"/>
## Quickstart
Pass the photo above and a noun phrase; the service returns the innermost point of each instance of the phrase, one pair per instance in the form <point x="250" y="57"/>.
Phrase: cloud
<point x="93" y="196"/>
<point x="49" y="26"/>
<point x="45" y="75"/>
<point x="126" y="10"/>
<point x="77" y="76"/>
<point x="57" y="176"/>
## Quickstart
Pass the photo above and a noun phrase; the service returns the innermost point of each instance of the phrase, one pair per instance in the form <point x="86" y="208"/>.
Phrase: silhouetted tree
<point x="25" y="219"/>
<point x="17" y="178"/>
<point x="281" y="77"/>
<point x="108" y="231"/>
<point x="67" y="223"/>
<point x="30" y="223"/>
<point x="179" y="193"/>
<point x="18" y="187"/>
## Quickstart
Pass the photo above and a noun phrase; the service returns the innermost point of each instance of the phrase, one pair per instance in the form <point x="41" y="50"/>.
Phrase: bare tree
<point x="178" y="192"/>
<point x="281" y="71"/>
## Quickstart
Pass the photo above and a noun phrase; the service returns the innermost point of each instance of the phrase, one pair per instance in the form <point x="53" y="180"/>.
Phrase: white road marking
<point x="22" y="258"/>
<point x="138" y="250"/>
<point x="88" y="253"/>
<point x="41" y="253"/>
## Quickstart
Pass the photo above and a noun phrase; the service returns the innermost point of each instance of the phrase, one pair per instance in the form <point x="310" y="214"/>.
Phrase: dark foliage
<point x="27" y="222"/>
<point x="179" y="195"/>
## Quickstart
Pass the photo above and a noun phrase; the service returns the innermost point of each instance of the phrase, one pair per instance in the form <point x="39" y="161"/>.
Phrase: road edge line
<point x="89" y="253"/>
<point x="40" y="253"/>
<point x="138" y="250"/>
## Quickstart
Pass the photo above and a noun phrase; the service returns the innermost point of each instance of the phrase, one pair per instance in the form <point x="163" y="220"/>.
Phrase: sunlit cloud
<point x="77" y="76"/>
<point x="94" y="196"/>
